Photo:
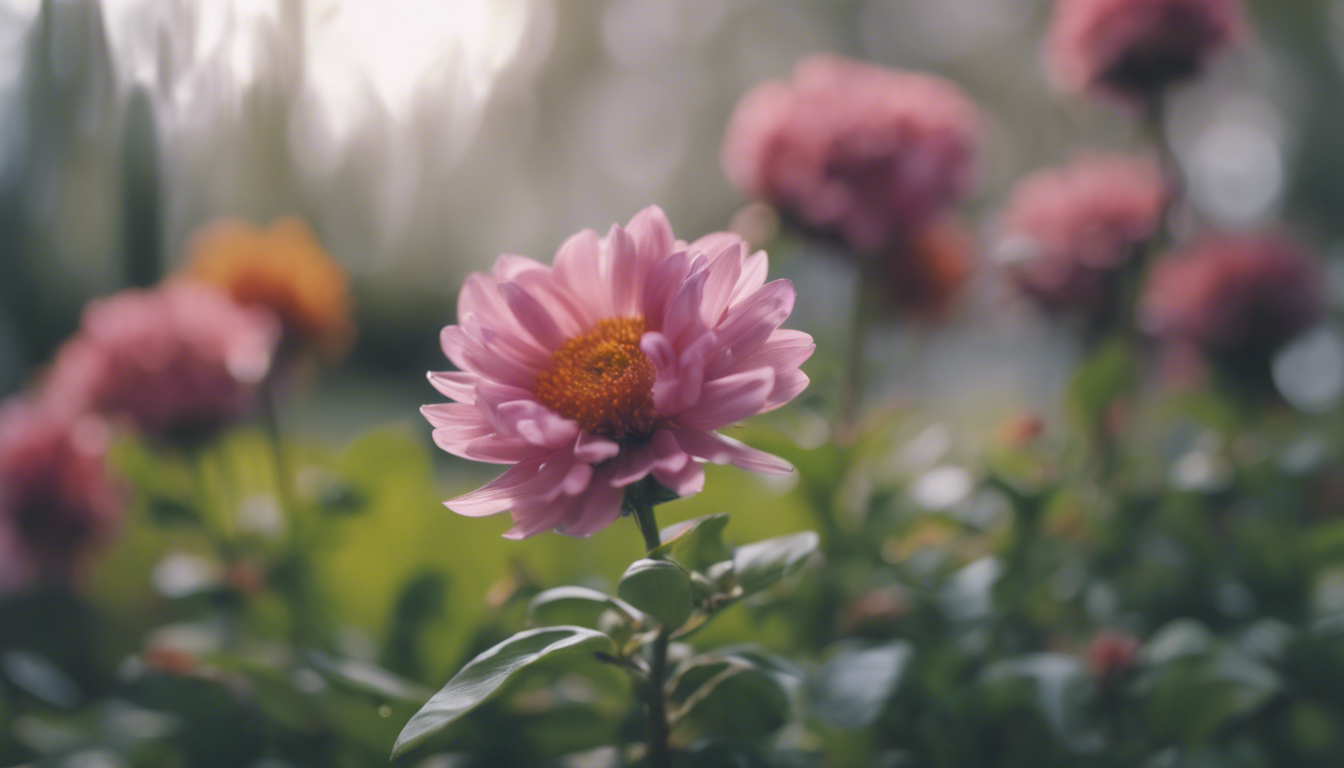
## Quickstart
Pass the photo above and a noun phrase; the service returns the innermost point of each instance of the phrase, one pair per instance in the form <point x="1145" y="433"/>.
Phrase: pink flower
<point x="1135" y="48"/>
<point x="58" y="503"/>
<point x="1237" y="299"/>
<point x="1068" y="230"/>
<point x="617" y="363"/>
<point x="1111" y="654"/>
<point x="180" y="359"/>
<point x="854" y="150"/>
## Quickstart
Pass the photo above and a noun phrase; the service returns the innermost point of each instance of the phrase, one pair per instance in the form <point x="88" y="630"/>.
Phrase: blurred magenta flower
<point x="177" y="361"/>
<point x="1134" y="49"/>
<point x="1068" y="230"/>
<point x="58" y="502"/>
<point x="616" y="363"/>
<point x="854" y="150"/>
<point x="1237" y="299"/>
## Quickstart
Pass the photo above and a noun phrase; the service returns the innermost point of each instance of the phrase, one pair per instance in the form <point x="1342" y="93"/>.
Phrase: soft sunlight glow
<point x="347" y="60"/>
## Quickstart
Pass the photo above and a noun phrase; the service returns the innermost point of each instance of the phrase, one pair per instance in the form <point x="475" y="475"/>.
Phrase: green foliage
<point x="731" y="696"/>
<point x="761" y="565"/>
<point x="486" y="674"/>
<point x="853" y="687"/>
<point x="659" y="588"/>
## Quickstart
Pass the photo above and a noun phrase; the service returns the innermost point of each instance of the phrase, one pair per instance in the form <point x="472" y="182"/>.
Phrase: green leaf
<point x="1059" y="685"/>
<point x="853" y="687"/>
<point x="420" y="603"/>
<point x="368" y="679"/>
<point x="575" y="606"/>
<point x="696" y="544"/>
<point x="486" y="674"/>
<point x="660" y="588"/>
<point x="1183" y="638"/>
<point x="730" y="697"/>
<point x="1110" y="373"/>
<point x="36" y="675"/>
<point x="764" y="563"/>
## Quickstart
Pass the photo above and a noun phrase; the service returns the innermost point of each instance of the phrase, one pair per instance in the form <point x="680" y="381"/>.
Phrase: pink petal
<point x="601" y="507"/>
<point x="535" y="423"/>
<point x="471" y="355"/>
<point x="748" y="325"/>
<point x="490" y="395"/>
<point x="754" y="270"/>
<point x="627" y="279"/>
<point x="725" y="450"/>
<point x="670" y="457"/>
<point x="498" y="494"/>
<point x="663" y="282"/>
<point x="565" y="309"/>
<point x="730" y="399"/>
<point x="533" y="317"/>
<point x="579" y="264"/>
<point x="682" y="322"/>
<point x="652" y="235"/>
<point x="678" y="378"/>
<point x="457" y="385"/>
<point x="784" y="350"/>
<point x="724" y="270"/>
<point x="516" y="345"/>
<point x="633" y="465"/>
<point x="788" y="385"/>
<point x="509" y="266"/>
<point x="460" y="416"/>
<point x="687" y="481"/>
<point x="529" y="520"/>
<point x="480" y="302"/>
<point x="594" y="449"/>
<point x="496" y="449"/>
<point x="716" y="242"/>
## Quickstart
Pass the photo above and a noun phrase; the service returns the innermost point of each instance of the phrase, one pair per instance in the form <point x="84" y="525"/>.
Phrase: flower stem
<point x="296" y="586"/>
<point x="659" y="753"/>
<point x="851" y="392"/>
<point x="648" y="525"/>
<point x="270" y="413"/>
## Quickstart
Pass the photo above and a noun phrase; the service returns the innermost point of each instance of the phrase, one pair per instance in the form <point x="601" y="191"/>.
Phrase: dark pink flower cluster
<point x="58" y="503"/>
<point x="182" y="358"/>
<point x="1236" y="299"/>
<point x="1135" y="48"/>
<point x="1067" y="230"/>
<point x="854" y="150"/>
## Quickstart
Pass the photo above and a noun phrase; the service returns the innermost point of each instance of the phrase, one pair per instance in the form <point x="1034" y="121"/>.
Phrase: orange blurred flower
<point x="921" y="279"/>
<point x="285" y="269"/>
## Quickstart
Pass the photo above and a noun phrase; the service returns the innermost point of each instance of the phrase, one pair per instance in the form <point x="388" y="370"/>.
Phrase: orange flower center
<point x="603" y="380"/>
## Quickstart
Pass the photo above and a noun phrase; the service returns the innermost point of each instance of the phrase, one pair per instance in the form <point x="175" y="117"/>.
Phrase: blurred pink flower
<point x="616" y="363"/>
<point x="177" y="360"/>
<point x="58" y="503"/>
<point x="1111" y="654"/>
<point x="854" y="150"/>
<point x="1135" y="48"/>
<point x="1235" y="298"/>
<point x="1067" y="230"/>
